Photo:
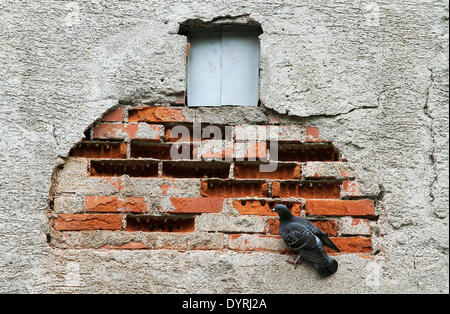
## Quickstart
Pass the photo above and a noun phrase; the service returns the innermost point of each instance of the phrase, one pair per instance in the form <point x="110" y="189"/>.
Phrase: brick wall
<point x="122" y="187"/>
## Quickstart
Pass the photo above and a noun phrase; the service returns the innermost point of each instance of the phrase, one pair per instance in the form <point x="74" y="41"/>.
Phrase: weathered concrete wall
<point x="373" y="76"/>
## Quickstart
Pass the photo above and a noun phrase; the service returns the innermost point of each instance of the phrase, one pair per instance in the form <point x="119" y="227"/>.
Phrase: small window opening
<point x="223" y="66"/>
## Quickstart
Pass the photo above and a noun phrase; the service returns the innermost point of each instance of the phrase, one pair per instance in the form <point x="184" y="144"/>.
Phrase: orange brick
<point x="248" y="171"/>
<point x="194" y="205"/>
<point x="156" y="114"/>
<point x="260" y="207"/>
<point x="351" y="245"/>
<point x="114" y="116"/>
<point x="252" y="207"/>
<point x="340" y="207"/>
<point x="114" y="204"/>
<point x="75" y="222"/>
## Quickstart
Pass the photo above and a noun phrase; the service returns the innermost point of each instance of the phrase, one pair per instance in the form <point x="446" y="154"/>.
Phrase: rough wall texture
<point x="372" y="76"/>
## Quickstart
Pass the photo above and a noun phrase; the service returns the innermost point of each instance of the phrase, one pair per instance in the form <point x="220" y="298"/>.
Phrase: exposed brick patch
<point x="113" y="204"/>
<point x="87" y="222"/>
<point x="358" y="208"/>
<point x="197" y="205"/>
<point x="203" y="192"/>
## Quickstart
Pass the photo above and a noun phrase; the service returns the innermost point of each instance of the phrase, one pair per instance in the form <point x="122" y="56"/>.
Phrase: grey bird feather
<point x="306" y="240"/>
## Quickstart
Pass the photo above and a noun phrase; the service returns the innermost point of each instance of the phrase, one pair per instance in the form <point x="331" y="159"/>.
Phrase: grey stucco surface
<point x="373" y="76"/>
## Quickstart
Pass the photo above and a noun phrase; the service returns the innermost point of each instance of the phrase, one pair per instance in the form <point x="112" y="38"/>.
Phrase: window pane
<point x="240" y="68"/>
<point x="204" y="69"/>
<point x="223" y="67"/>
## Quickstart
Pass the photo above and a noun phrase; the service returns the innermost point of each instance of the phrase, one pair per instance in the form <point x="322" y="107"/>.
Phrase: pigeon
<point x="307" y="241"/>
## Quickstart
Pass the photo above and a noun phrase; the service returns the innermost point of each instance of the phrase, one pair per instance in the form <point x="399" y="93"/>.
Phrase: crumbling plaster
<point x="373" y="76"/>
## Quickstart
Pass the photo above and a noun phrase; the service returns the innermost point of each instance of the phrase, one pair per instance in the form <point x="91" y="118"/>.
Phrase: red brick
<point x="313" y="134"/>
<point x="99" y="150"/>
<point x="283" y="171"/>
<point x="114" y="116"/>
<point x="330" y="227"/>
<point x="114" y="204"/>
<point x="306" y="190"/>
<point x="340" y="207"/>
<point x="115" y="131"/>
<point x="75" y="222"/>
<point x="196" y="205"/>
<point x="351" y="245"/>
<point x="156" y="114"/>
<point x="260" y="207"/>
<point x="233" y="188"/>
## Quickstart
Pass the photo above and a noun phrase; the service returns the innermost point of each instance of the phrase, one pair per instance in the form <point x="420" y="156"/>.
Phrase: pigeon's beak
<point x="273" y="210"/>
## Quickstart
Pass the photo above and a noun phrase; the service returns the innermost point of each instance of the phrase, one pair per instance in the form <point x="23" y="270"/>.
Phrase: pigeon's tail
<point x="328" y="269"/>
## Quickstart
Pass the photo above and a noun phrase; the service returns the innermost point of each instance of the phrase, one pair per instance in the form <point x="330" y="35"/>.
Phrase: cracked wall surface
<point x="373" y="76"/>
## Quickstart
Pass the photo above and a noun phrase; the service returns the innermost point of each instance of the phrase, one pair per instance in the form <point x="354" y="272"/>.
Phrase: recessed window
<point x="223" y="66"/>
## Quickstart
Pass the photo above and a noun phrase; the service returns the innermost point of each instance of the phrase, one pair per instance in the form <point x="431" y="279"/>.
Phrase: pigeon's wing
<point x="302" y="240"/>
<point x="316" y="254"/>
<point x="319" y="233"/>
<point x="296" y="236"/>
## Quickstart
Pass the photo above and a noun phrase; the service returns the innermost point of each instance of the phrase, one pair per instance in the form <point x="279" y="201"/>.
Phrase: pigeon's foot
<point x="296" y="261"/>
